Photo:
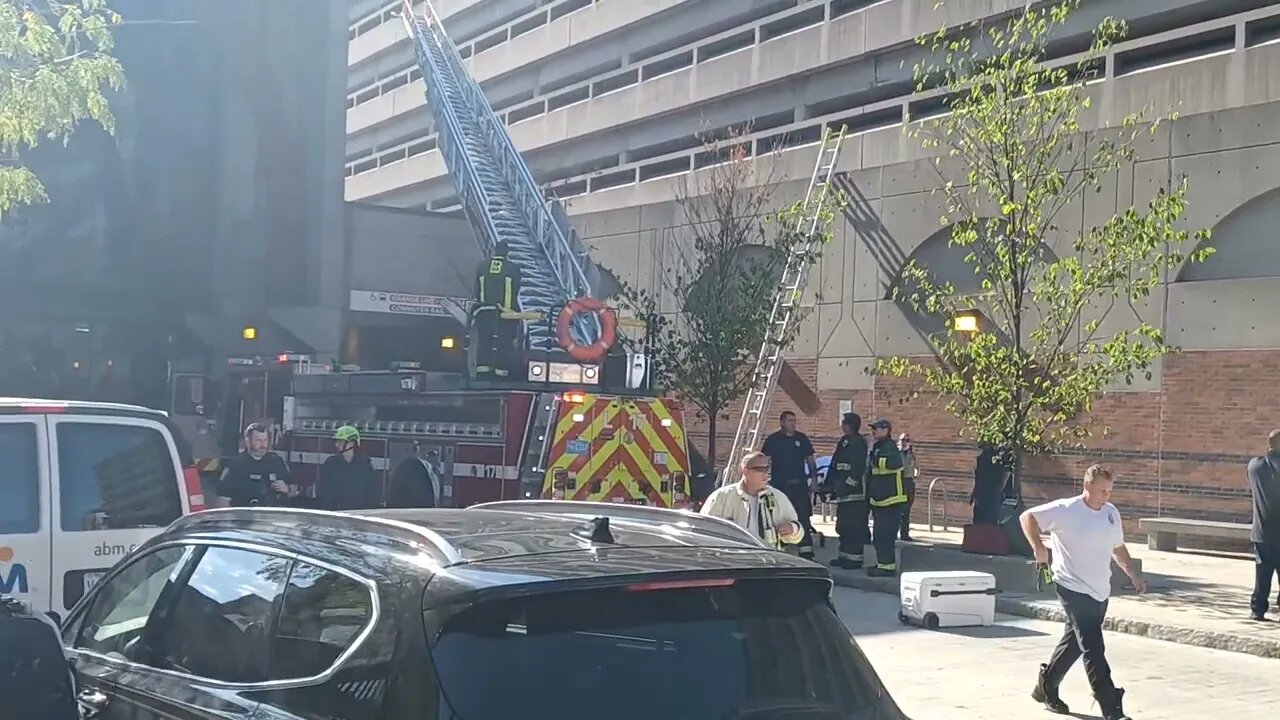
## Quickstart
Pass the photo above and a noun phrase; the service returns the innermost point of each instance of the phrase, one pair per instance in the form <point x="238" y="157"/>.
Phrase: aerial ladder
<point x="497" y="191"/>
<point x="802" y="254"/>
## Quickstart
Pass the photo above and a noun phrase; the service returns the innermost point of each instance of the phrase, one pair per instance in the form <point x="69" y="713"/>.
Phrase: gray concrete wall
<point x="826" y="69"/>
<point x="410" y="251"/>
<point x="1223" y="303"/>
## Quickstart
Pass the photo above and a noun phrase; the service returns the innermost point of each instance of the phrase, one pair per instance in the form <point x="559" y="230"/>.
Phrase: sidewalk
<point x="1193" y="598"/>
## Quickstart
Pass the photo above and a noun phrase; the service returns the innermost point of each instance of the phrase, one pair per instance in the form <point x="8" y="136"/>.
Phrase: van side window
<point x="123" y="604"/>
<point x="20" y="488"/>
<point x="221" y="623"/>
<point x="114" y="477"/>
<point x="322" y="615"/>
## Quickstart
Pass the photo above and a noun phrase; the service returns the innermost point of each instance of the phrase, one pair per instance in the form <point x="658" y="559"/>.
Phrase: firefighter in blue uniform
<point x="794" y="468"/>
<point x="887" y="496"/>
<point x="497" y="291"/>
<point x="845" y="485"/>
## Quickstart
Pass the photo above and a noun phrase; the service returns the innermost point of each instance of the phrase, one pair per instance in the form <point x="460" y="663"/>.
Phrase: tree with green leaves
<point x="707" y="317"/>
<point x="1013" y="156"/>
<point x="57" y="70"/>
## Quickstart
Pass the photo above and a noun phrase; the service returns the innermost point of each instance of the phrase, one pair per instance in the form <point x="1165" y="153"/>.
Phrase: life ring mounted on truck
<point x="596" y="351"/>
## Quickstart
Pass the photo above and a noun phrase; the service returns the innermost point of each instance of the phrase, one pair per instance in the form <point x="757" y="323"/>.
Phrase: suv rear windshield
<point x="744" y="649"/>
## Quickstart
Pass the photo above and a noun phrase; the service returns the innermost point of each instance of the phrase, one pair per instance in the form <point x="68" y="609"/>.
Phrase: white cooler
<point x="947" y="598"/>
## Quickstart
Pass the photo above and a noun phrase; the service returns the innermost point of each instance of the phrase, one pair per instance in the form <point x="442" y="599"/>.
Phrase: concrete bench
<point x="1162" y="533"/>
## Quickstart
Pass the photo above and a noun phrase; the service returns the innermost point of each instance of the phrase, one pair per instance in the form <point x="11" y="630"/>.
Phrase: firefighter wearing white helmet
<point x="347" y="480"/>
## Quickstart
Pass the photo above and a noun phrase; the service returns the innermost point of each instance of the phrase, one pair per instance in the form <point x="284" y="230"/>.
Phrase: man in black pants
<point x="1086" y="533"/>
<point x="1264" y="486"/>
<point x="845" y="484"/>
<point x="794" y="469"/>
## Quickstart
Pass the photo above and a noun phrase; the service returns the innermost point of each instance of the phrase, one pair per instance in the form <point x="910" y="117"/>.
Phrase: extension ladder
<point x="496" y="188"/>
<point x="786" y="304"/>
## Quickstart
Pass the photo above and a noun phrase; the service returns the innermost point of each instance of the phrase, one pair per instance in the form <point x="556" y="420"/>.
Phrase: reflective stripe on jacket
<point x="733" y="504"/>
<point x="884" y="469"/>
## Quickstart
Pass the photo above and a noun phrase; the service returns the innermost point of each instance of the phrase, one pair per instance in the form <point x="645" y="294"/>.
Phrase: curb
<point x="1230" y="642"/>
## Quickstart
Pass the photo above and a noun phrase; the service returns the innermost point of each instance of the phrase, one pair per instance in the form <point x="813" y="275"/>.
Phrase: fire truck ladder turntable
<point x="786" y="303"/>
<point x="496" y="188"/>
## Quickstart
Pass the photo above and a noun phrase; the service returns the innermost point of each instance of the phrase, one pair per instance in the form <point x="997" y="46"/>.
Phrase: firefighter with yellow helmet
<point x="347" y="480"/>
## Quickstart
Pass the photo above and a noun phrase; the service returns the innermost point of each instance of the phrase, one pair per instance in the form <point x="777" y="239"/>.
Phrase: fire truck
<point x="560" y="434"/>
<point x="580" y="420"/>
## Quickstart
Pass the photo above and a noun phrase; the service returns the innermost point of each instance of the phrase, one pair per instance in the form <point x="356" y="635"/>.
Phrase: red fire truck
<point x="559" y="434"/>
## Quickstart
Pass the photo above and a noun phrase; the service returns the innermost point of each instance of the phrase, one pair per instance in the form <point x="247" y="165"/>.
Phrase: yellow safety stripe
<point x="507" y="295"/>
<point x="900" y="494"/>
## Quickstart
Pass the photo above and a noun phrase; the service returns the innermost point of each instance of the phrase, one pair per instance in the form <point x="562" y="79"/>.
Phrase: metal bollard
<point x="946" y="521"/>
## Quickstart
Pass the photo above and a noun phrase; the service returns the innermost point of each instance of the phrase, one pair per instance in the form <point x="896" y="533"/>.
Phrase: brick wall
<point x="1179" y="452"/>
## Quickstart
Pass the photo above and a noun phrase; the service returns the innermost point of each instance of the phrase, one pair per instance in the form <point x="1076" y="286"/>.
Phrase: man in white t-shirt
<point x="1086" y="534"/>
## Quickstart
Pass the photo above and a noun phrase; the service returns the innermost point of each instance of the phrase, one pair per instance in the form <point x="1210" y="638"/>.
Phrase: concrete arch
<point x="1246" y="243"/>
<point x="946" y="263"/>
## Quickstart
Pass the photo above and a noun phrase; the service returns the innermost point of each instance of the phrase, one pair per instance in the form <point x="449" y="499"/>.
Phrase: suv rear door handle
<point x="91" y="702"/>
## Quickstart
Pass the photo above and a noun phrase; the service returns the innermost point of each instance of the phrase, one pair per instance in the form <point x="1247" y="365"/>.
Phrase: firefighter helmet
<point x="347" y="433"/>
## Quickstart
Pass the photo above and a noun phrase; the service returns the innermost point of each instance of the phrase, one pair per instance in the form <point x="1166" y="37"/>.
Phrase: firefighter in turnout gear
<point x="497" y="291"/>
<point x="887" y="496"/>
<point x="347" y="480"/>
<point x="845" y="485"/>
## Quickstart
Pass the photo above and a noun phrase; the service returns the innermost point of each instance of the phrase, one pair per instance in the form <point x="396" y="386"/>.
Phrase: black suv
<point x="524" y="609"/>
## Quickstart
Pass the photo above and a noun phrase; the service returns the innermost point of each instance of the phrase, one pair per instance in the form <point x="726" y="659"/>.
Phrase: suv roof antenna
<point x="596" y="530"/>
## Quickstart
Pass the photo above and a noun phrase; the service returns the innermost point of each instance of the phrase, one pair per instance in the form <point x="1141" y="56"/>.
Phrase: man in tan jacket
<point x="756" y="507"/>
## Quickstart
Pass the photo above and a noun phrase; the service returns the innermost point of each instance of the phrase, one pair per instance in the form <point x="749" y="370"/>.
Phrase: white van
<point x="81" y="484"/>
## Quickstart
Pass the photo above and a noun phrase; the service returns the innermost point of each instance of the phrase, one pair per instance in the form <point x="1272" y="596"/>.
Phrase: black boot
<point x="1048" y="695"/>
<point x="847" y="563"/>
<point x="1114" y="709"/>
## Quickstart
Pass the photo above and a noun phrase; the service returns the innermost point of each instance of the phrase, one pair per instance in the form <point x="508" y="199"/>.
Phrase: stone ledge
<point x="1013" y="604"/>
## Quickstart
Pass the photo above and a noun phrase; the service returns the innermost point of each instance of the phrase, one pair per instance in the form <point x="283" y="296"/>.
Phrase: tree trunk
<point x="712" y="421"/>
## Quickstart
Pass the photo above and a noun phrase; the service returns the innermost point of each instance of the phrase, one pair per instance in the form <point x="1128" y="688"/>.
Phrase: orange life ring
<point x="608" y="329"/>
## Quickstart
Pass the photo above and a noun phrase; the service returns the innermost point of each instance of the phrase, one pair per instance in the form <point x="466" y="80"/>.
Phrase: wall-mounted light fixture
<point x="965" y="321"/>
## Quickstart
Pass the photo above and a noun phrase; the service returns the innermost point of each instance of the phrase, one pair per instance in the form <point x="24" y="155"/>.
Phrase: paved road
<point x="987" y="673"/>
